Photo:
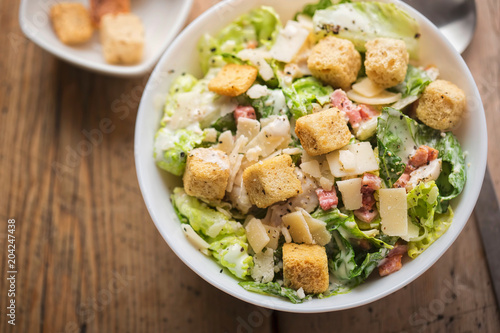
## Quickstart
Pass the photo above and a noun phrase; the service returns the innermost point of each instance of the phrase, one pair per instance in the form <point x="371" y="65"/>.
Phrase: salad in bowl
<point x="313" y="153"/>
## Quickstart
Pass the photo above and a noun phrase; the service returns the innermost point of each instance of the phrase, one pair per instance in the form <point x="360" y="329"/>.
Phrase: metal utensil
<point x="455" y="18"/>
<point x="457" y="21"/>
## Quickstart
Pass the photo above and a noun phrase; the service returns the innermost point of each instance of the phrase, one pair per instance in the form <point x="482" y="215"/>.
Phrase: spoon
<point x="455" y="18"/>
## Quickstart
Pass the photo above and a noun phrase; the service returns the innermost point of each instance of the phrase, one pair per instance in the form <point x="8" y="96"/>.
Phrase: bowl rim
<point x="257" y="299"/>
<point x="105" y="68"/>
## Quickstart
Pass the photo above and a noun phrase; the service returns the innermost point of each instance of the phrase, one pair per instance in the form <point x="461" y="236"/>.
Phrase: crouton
<point x="207" y="173"/>
<point x="386" y="61"/>
<point x="323" y="132"/>
<point x="99" y="8"/>
<point x="122" y="38"/>
<point x="335" y="61"/>
<point x="271" y="181"/>
<point x="233" y="80"/>
<point x="442" y="105"/>
<point x="305" y="266"/>
<point x="71" y="22"/>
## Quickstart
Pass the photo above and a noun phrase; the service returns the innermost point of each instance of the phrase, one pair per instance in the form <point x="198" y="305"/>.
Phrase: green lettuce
<point x="274" y="289"/>
<point x="311" y="8"/>
<point x="398" y="135"/>
<point x="441" y="223"/>
<point x="183" y="83"/>
<point x="422" y="203"/>
<point x="305" y="91"/>
<point x="350" y="267"/>
<point x="260" y="26"/>
<point x="415" y="82"/>
<point x="272" y="104"/>
<point x="226" y="238"/>
<point x="363" y="21"/>
<point x="171" y="148"/>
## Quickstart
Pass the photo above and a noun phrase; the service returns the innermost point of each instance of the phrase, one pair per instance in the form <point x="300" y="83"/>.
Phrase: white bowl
<point x="156" y="184"/>
<point x="162" y="21"/>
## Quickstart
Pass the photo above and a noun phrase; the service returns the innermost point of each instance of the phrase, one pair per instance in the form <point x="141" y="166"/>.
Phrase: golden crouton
<point x="335" y="61"/>
<point x="71" y="22"/>
<point x="386" y="61"/>
<point x="271" y="181"/>
<point x="233" y="80"/>
<point x="442" y="105"/>
<point x="207" y="173"/>
<point x="305" y="266"/>
<point x="323" y="132"/>
<point x="99" y="8"/>
<point x="122" y="38"/>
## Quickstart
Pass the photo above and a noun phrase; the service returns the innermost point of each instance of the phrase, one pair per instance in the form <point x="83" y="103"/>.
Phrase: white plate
<point x="156" y="184"/>
<point x="162" y="21"/>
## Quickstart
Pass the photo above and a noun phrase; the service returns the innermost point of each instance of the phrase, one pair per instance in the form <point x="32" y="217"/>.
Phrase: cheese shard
<point x="365" y="160"/>
<point x="394" y="211"/>
<point x="311" y="168"/>
<point x="298" y="228"/>
<point x="195" y="239"/>
<point x="351" y="193"/>
<point x="257" y="235"/>
<point x="317" y="228"/>
<point x="289" y="41"/>
<point x="367" y="88"/>
<point x="274" y="234"/>
<point x="347" y="159"/>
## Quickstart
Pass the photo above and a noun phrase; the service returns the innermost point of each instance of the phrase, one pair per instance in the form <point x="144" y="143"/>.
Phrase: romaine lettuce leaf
<point x="305" y="91"/>
<point x="260" y="26"/>
<point x="171" y="148"/>
<point x="415" y="82"/>
<point x="228" y="243"/>
<point x="183" y="83"/>
<point x="311" y="8"/>
<point x="272" y="104"/>
<point x="398" y="136"/>
<point x="363" y="21"/>
<point x="441" y="223"/>
<point x="274" y="289"/>
<point x="422" y="202"/>
<point x="350" y="267"/>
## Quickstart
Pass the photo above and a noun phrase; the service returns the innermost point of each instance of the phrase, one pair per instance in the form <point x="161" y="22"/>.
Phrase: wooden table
<point x="90" y="259"/>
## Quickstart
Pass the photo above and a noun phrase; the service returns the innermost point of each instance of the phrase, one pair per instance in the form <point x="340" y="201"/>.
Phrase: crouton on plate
<point x="271" y="181"/>
<point x="207" y="173"/>
<point x="442" y="105"/>
<point x="335" y="61"/>
<point x="323" y="132"/>
<point x="386" y="61"/>
<point x="71" y="22"/>
<point x="122" y="38"/>
<point x="233" y="80"/>
<point x="305" y="266"/>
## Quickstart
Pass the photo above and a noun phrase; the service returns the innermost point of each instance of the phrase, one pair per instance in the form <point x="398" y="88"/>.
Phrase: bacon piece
<point x="433" y="154"/>
<point x="370" y="183"/>
<point x="327" y="199"/>
<point x="402" y="181"/>
<point x="423" y="155"/>
<point x="367" y="112"/>
<point x="368" y="200"/>
<point x="340" y="101"/>
<point x="392" y="263"/>
<point x="366" y="215"/>
<point x="244" y="112"/>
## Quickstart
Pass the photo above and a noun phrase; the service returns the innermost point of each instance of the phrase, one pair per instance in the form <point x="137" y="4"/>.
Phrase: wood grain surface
<point x="90" y="259"/>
